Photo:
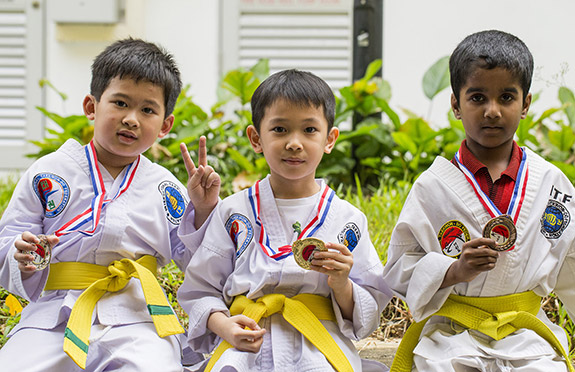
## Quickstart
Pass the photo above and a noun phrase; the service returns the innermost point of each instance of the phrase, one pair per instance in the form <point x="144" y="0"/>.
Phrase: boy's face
<point x="293" y="140"/>
<point x="127" y="120"/>
<point x="490" y="108"/>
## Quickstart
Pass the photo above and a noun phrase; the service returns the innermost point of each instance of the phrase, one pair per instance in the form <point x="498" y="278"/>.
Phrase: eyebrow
<point x="481" y="90"/>
<point x="149" y="102"/>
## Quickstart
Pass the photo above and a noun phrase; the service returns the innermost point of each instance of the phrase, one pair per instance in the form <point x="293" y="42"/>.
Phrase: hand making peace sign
<point x="203" y="183"/>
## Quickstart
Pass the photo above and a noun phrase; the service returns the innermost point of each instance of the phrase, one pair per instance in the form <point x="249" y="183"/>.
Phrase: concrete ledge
<point x="375" y="349"/>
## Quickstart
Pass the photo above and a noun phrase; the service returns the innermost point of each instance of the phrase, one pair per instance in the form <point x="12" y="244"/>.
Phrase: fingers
<point x="24" y="246"/>
<point x="205" y="176"/>
<point x="337" y="257"/>
<point x="202" y="152"/>
<point x="188" y="162"/>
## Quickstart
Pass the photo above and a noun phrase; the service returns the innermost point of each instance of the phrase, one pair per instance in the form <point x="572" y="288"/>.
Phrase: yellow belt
<point x="97" y="280"/>
<point x="496" y="317"/>
<point x="303" y="312"/>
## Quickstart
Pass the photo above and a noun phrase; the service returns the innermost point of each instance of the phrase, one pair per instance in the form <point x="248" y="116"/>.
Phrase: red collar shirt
<point x="500" y="191"/>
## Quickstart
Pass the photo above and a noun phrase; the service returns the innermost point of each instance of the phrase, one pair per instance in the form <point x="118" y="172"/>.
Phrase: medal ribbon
<point x="518" y="191"/>
<point x="284" y="251"/>
<point x="98" y="202"/>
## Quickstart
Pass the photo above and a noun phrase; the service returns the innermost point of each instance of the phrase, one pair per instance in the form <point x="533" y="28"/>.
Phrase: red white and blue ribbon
<point x="316" y="222"/>
<point x="518" y="191"/>
<point x="98" y="203"/>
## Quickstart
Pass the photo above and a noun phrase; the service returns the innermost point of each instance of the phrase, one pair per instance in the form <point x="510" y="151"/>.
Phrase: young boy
<point x="301" y="319"/>
<point x="483" y="237"/>
<point x="109" y="215"/>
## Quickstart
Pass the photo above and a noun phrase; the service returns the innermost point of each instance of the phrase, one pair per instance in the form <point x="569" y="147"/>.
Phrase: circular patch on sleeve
<point x="240" y="230"/>
<point x="554" y="220"/>
<point x="349" y="236"/>
<point x="452" y="235"/>
<point x="53" y="192"/>
<point x="174" y="203"/>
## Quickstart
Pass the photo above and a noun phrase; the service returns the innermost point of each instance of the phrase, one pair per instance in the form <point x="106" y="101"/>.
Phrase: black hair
<point x="298" y="87"/>
<point x="138" y="60"/>
<point x="490" y="49"/>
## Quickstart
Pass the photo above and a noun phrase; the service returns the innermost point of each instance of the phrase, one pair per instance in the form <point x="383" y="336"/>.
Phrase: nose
<point x="294" y="143"/>
<point x="493" y="110"/>
<point x="131" y="120"/>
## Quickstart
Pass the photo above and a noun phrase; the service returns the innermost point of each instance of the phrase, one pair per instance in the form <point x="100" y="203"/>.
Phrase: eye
<point x="507" y="97"/>
<point x="147" y="110"/>
<point x="310" y="129"/>
<point x="279" y="130"/>
<point x="120" y="103"/>
<point x="477" y="98"/>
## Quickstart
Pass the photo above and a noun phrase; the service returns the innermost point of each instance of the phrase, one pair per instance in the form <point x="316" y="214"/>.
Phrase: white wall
<point x="186" y="28"/>
<point x="416" y="34"/>
<point x="419" y="32"/>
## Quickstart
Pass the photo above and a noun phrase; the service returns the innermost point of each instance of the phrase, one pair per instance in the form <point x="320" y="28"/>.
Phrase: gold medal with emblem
<point x="304" y="249"/>
<point x="43" y="253"/>
<point x="502" y="230"/>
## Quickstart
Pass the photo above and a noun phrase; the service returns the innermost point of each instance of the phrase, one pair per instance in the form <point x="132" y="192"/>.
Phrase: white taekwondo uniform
<point x="144" y="220"/>
<point x="542" y="261"/>
<point x="224" y="267"/>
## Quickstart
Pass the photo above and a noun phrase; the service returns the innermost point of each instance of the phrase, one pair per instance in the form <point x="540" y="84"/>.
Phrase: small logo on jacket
<point x="451" y="237"/>
<point x="349" y="236"/>
<point x="53" y="192"/>
<point x="554" y="220"/>
<point x="240" y="230"/>
<point x="174" y="203"/>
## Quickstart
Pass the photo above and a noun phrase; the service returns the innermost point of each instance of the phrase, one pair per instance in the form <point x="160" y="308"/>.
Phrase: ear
<point x="455" y="107"/>
<point x="331" y="138"/>
<point x="255" y="139"/>
<point x="166" y="126"/>
<point x="526" y="105"/>
<point x="89" y="106"/>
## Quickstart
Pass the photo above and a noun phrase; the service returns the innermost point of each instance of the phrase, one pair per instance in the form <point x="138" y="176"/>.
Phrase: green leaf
<point x="261" y="69"/>
<point x="404" y="141"/>
<point x="436" y="78"/>
<point x="568" y="99"/>
<point x="372" y="69"/>
<point x="562" y="139"/>
<point x="242" y="84"/>
<point x="241" y="160"/>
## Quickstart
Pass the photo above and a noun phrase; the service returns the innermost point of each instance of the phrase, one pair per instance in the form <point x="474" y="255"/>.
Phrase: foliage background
<point x="373" y="163"/>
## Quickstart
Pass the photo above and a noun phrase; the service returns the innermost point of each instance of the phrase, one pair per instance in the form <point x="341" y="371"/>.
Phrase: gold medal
<point x="502" y="230"/>
<point x="43" y="253"/>
<point x="303" y="251"/>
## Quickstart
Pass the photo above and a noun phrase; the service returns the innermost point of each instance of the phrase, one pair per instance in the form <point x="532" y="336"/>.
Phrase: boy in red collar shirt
<point x="482" y="238"/>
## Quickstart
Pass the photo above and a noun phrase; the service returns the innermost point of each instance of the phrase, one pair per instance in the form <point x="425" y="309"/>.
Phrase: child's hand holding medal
<point x="34" y="252"/>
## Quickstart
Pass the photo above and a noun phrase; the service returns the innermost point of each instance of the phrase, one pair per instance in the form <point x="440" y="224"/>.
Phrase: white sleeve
<point x="201" y="293"/>
<point x="415" y="274"/>
<point x="370" y="292"/>
<point x="24" y="213"/>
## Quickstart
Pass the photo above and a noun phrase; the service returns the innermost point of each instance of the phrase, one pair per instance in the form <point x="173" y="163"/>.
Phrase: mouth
<point x="293" y="161"/>
<point x="127" y="136"/>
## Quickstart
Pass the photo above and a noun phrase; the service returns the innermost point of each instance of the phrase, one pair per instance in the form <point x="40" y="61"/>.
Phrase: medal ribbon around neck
<point x="98" y="202"/>
<point x="282" y="252"/>
<point x="518" y="192"/>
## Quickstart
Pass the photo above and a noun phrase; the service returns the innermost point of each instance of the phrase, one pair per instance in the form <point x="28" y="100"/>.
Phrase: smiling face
<point x="293" y="139"/>
<point x="490" y="107"/>
<point x="127" y="120"/>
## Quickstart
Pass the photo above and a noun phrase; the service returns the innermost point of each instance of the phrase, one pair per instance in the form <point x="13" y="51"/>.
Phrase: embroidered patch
<point x="53" y="192"/>
<point x="174" y="203"/>
<point x="240" y="230"/>
<point x="349" y="236"/>
<point x="451" y="237"/>
<point x="554" y="220"/>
